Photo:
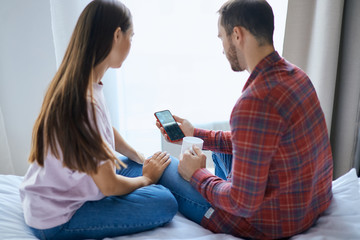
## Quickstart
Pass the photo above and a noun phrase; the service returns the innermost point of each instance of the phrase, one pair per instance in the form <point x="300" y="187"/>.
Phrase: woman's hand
<point x="155" y="166"/>
<point x="185" y="125"/>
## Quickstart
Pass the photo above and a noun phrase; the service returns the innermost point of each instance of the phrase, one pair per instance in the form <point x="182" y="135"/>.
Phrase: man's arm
<point x="256" y="132"/>
<point x="216" y="141"/>
<point x="219" y="141"/>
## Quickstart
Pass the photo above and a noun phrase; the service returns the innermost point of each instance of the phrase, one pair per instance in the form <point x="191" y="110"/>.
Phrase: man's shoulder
<point x="283" y="86"/>
<point x="281" y="77"/>
<point x="282" y="70"/>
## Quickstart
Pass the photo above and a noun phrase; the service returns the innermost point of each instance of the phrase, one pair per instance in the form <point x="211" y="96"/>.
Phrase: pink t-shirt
<point x="51" y="194"/>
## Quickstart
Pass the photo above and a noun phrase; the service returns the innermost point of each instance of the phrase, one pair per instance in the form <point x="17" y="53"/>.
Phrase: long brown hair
<point x="63" y="123"/>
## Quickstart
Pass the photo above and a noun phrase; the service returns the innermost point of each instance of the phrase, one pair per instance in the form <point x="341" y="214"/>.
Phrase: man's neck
<point x="254" y="54"/>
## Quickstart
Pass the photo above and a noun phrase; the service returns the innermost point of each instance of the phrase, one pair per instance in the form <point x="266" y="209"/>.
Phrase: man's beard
<point x="233" y="59"/>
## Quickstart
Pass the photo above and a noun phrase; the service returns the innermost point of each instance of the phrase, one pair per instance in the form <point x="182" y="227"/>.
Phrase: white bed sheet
<point x="340" y="221"/>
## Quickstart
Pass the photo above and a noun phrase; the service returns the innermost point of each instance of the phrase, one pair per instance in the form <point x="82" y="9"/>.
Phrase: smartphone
<point x="171" y="127"/>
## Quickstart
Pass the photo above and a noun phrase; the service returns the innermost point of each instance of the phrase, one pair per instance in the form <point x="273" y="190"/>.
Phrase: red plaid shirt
<point x="282" y="163"/>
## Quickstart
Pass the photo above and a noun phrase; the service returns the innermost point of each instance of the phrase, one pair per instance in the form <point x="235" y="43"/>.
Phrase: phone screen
<point x="171" y="127"/>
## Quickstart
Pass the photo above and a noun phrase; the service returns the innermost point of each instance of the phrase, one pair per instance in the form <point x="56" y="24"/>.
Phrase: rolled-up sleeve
<point x="217" y="141"/>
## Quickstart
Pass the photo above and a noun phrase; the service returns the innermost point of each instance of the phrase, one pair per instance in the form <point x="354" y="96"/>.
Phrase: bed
<point x="340" y="221"/>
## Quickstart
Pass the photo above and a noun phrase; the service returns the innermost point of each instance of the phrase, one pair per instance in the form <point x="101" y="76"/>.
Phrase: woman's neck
<point x="99" y="72"/>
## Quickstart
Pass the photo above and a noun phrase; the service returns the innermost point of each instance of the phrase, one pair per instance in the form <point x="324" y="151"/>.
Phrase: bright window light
<point x="176" y="62"/>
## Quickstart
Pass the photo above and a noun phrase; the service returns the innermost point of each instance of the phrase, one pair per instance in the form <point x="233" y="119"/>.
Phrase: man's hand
<point x="189" y="163"/>
<point x="185" y="125"/>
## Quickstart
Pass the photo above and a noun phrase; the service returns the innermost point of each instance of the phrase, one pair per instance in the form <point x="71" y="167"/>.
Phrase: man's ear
<point x="238" y="34"/>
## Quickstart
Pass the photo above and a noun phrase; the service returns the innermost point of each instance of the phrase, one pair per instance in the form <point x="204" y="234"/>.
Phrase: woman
<point x="72" y="189"/>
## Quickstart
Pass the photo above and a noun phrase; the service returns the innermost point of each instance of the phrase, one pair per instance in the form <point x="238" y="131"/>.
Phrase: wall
<point x="27" y="65"/>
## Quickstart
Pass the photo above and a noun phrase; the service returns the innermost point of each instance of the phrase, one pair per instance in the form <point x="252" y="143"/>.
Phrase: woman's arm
<point x="111" y="184"/>
<point x="124" y="148"/>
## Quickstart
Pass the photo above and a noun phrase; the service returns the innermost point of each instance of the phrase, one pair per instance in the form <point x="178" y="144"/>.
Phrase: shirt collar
<point x="265" y="63"/>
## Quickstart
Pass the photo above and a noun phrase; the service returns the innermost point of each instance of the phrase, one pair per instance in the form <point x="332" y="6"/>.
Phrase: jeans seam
<point x="111" y="226"/>
<point x="193" y="202"/>
<point x="43" y="235"/>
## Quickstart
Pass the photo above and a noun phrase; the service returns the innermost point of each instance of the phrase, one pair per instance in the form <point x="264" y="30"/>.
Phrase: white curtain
<point x="321" y="37"/>
<point x="346" y="128"/>
<point x="312" y="40"/>
<point x="176" y="63"/>
<point x="64" y="14"/>
<point x="5" y="156"/>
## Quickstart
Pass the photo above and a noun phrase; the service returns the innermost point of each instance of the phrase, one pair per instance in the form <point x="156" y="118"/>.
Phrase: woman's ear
<point x="117" y="34"/>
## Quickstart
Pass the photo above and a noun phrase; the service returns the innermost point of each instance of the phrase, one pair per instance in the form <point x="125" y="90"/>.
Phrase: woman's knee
<point x="163" y="200"/>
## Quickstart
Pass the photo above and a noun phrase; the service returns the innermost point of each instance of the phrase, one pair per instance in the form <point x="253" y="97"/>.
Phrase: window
<point x="176" y="63"/>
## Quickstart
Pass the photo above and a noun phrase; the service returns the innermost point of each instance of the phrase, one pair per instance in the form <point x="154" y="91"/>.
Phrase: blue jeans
<point x="191" y="203"/>
<point x="223" y="164"/>
<point x="143" y="209"/>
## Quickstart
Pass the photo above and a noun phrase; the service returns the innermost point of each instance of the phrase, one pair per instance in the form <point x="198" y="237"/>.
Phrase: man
<point x="280" y="174"/>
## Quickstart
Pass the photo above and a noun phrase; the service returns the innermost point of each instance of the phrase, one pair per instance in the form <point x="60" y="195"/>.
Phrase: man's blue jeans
<point x="144" y="209"/>
<point x="191" y="203"/>
<point x="223" y="164"/>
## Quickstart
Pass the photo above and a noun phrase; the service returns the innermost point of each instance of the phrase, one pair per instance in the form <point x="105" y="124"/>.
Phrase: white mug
<point x="189" y="142"/>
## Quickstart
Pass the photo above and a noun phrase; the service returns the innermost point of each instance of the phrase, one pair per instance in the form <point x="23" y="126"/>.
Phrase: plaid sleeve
<point x="256" y="131"/>
<point x="217" y="141"/>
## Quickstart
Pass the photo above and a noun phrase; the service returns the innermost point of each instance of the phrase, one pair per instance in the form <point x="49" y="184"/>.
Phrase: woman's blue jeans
<point x="191" y="203"/>
<point x="144" y="209"/>
<point x="132" y="213"/>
